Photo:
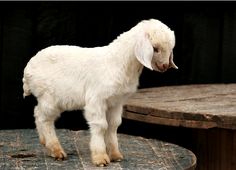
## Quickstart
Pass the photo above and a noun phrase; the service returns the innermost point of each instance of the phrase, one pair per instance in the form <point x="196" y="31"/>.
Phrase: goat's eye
<point x="156" y="49"/>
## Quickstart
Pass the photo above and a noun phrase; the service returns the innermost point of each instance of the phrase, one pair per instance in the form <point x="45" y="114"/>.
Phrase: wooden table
<point x="20" y="149"/>
<point x="209" y="109"/>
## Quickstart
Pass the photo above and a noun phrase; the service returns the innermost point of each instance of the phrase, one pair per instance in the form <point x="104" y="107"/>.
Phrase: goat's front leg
<point x="95" y="114"/>
<point x="114" y="119"/>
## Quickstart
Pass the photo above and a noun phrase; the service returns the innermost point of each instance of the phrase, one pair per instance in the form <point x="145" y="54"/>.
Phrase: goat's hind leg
<point x="44" y="119"/>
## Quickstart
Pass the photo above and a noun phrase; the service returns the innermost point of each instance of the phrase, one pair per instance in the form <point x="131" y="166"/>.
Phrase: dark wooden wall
<point x="205" y="43"/>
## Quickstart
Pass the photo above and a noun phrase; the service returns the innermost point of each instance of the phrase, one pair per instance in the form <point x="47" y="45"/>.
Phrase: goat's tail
<point x="26" y="88"/>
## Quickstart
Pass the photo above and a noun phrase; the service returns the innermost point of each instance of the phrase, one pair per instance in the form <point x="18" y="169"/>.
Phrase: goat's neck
<point x="123" y="48"/>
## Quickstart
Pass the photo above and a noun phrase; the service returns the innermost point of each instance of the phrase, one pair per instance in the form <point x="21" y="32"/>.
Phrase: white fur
<point x="98" y="80"/>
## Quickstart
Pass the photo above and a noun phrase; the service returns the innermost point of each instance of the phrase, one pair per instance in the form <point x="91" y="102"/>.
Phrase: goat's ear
<point x="143" y="51"/>
<point x="172" y="64"/>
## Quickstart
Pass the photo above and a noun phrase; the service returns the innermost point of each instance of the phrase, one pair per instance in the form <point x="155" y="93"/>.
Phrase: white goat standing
<point x="98" y="80"/>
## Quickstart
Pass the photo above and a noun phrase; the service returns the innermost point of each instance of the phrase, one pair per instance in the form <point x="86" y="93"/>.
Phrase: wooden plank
<point x="169" y="122"/>
<point x="234" y="150"/>
<point x="206" y="106"/>
<point x="20" y="149"/>
<point x="214" y="148"/>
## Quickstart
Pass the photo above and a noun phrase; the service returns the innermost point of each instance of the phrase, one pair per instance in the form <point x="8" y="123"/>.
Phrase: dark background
<point x="205" y="47"/>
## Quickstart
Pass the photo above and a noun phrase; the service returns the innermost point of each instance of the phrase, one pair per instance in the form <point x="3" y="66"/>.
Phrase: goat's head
<point x="154" y="46"/>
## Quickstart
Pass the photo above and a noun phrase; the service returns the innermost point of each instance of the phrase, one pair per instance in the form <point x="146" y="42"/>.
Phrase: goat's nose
<point x="165" y="66"/>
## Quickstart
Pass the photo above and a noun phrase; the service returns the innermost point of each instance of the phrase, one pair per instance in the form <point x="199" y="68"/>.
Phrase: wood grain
<point x="215" y="148"/>
<point x="195" y="106"/>
<point x="20" y="149"/>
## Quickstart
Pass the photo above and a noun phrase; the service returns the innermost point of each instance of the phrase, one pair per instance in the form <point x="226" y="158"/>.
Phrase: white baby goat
<point x="98" y="80"/>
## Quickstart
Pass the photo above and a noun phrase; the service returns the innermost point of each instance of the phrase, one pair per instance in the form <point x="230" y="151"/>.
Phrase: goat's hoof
<point x="116" y="157"/>
<point x="59" y="154"/>
<point x="42" y="141"/>
<point x="100" y="159"/>
<point x="61" y="157"/>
